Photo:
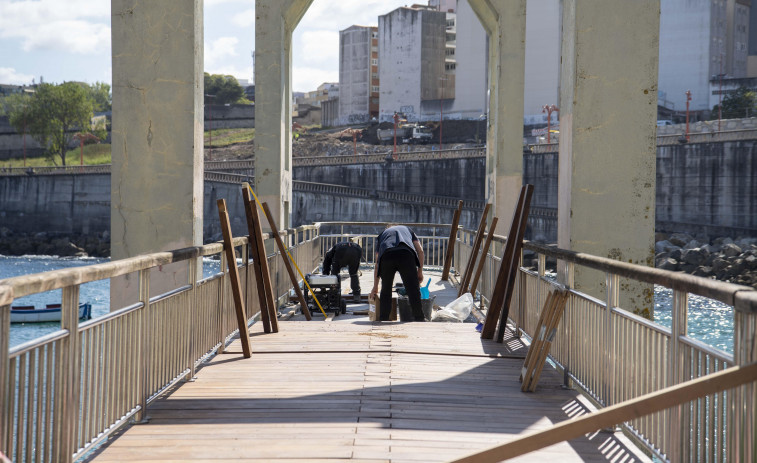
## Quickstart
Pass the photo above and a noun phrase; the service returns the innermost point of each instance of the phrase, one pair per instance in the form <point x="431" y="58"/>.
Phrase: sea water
<point x="96" y="293"/>
<point x="710" y="322"/>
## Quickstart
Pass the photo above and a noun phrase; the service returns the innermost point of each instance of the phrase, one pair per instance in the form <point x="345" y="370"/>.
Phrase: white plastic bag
<point x="456" y="311"/>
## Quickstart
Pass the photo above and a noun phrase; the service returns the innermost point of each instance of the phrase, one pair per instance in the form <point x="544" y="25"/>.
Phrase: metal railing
<point x="64" y="393"/>
<point x="433" y="238"/>
<point x="382" y="157"/>
<point x="712" y="136"/>
<point x="614" y="355"/>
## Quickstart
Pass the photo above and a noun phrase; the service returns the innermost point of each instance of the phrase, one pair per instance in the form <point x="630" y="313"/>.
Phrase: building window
<point x="450" y="66"/>
<point x="374" y="89"/>
<point x="374" y="61"/>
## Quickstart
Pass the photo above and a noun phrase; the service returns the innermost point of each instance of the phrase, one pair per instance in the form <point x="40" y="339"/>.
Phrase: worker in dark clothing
<point x="398" y="250"/>
<point x="345" y="254"/>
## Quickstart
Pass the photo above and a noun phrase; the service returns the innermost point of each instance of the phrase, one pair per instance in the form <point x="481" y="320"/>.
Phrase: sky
<point x="65" y="40"/>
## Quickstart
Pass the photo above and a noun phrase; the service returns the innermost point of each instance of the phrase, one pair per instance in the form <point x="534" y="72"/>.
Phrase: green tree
<point x="99" y="92"/>
<point x="52" y="114"/>
<point x="17" y="103"/>
<point x="226" y="89"/>
<point x="741" y="103"/>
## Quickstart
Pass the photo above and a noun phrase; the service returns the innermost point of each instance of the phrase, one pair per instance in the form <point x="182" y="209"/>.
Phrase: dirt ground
<point x="338" y="142"/>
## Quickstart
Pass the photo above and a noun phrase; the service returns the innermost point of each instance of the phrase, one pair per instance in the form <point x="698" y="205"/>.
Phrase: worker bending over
<point x="345" y="254"/>
<point x="398" y="250"/>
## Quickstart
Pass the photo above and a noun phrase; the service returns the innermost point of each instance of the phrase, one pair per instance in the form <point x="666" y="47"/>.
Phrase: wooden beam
<point x="260" y="264"/>
<point x="542" y="341"/>
<point x="236" y="289"/>
<point x="484" y="252"/>
<point x="619" y="413"/>
<point x="498" y="293"/>
<point x="512" y="271"/>
<point x="285" y="257"/>
<point x="451" y="241"/>
<point x="474" y="252"/>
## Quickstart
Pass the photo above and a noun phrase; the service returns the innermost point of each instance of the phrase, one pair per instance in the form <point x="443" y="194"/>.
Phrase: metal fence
<point x="614" y="355"/>
<point x="64" y="393"/>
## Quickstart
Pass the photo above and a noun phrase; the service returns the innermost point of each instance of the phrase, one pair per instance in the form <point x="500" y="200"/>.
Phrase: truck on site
<point x="409" y="133"/>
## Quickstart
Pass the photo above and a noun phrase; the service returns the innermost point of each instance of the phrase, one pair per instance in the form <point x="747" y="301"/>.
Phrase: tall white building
<point x="542" y="71"/>
<point x="358" y="74"/>
<point x="412" y="46"/>
<point x="693" y="44"/>
<point x="471" y="73"/>
<point x="542" y="83"/>
<point x="737" y="32"/>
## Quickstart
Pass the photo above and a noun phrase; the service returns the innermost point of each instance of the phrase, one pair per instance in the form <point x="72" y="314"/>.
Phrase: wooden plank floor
<point x="351" y="389"/>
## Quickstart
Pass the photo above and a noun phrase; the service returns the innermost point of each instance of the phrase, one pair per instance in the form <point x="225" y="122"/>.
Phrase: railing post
<point x="678" y="328"/>
<point x="145" y="345"/>
<point x="520" y="321"/>
<point x="192" y="318"/>
<point x="566" y="272"/>
<point x="5" y="388"/>
<point x="742" y="425"/>
<point x="220" y="311"/>
<point x="613" y="300"/>
<point x="70" y="372"/>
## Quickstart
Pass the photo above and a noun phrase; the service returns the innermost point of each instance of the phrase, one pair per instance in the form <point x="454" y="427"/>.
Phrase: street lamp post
<point x="549" y="109"/>
<point x="688" y="98"/>
<point x="210" y="132"/>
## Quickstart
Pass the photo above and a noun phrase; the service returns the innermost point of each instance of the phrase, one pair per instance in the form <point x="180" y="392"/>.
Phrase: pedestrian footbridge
<point x="166" y="378"/>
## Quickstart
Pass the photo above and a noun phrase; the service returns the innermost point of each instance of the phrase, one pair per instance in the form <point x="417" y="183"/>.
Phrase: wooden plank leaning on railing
<point x="466" y="276"/>
<point x="510" y="259"/>
<point x="260" y="264"/>
<point x="545" y="331"/>
<point x="236" y="288"/>
<point x="484" y="252"/>
<point x="451" y="241"/>
<point x="514" y="263"/>
<point x="619" y="413"/>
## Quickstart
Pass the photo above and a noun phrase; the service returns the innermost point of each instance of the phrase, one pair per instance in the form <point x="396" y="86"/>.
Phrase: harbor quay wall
<point x="79" y="204"/>
<point x="704" y="189"/>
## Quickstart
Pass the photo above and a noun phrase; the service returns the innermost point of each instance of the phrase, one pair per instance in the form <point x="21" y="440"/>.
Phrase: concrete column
<point x="505" y="24"/>
<point x="275" y="21"/>
<point x="157" y="133"/>
<point x="608" y="105"/>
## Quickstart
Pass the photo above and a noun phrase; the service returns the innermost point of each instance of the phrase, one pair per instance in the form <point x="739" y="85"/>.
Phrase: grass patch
<point x="93" y="155"/>
<point x="226" y="137"/>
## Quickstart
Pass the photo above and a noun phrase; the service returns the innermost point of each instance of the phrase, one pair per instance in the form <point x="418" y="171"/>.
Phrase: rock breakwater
<point x="724" y="259"/>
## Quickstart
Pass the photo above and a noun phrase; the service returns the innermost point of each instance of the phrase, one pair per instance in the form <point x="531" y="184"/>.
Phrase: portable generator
<point x="328" y="290"/>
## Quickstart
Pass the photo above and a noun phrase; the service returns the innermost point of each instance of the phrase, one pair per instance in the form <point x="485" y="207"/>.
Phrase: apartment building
<point x="358" y="74"/>
<point x="415" y="71"/>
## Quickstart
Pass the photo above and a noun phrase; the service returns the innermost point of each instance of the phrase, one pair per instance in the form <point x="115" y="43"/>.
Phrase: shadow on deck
<point x="364" y="391"/>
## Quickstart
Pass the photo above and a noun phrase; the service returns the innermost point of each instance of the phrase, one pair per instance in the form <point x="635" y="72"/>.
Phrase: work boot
<point x="356" y="298"/>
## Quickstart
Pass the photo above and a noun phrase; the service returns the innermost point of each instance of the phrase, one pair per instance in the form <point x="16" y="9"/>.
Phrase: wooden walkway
<point x="351" y="389"/>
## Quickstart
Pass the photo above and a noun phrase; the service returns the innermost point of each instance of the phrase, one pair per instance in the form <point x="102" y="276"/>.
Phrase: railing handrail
<point x="743" y="298"/>
<point x="378" y="158"/>
<point x="15" y="287"/>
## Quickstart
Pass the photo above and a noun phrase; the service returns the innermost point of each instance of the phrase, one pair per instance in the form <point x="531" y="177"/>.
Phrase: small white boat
<point x="51" y="313"/>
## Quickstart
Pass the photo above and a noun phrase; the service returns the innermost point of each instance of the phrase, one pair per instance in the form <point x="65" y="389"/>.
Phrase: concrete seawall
<point x="702" y="188"/>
